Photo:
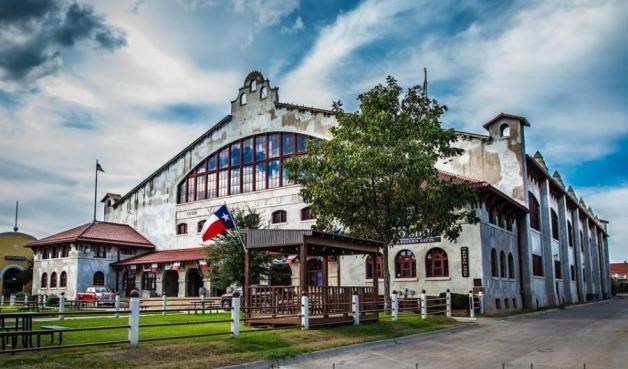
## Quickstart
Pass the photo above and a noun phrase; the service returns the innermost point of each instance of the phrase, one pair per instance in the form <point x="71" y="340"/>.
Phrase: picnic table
<point x="53" y="329"/>
<point x="16" y="322"/>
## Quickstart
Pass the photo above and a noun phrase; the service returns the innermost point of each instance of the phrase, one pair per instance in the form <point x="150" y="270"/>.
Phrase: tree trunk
<point x="387" y="306"/>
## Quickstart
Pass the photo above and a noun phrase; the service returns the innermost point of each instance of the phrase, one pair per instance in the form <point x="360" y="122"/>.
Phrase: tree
<point x="25" y="276"/>
<point x="376" y="176"/>
<point x="226" y="256"/>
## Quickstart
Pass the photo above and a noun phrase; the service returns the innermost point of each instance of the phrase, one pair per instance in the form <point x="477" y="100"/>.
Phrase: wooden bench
<point x="53" y="328"/>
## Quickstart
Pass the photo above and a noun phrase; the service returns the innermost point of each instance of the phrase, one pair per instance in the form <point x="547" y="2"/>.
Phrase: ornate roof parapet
<point x="539" y="159"/>
<point x="571" y="191"/>
<point x="558" y="178"/>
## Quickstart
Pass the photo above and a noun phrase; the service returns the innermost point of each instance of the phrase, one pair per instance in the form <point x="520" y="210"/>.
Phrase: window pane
<point x="182" y="192"/>
<point x="260" y="176"/>
<point x="200" y="187"/>
<point x="247" y="153"/>
<point x="287" y="145"/>
<point x="301" y="143"/>
<point x="235" y="181"/>
<point x="201" y="169"/>
<point x="235" y="154"/>
<point x="260" y="148"/>
<point x="191" y="189"/>
<point x="273" y="174"/>
<point x="211" y="186"/>
<point x="223" y="158"/>
<point x="273" y="145"/>
<point x="211" y="163"/>
<point x="222" y="182"/>
<point x="284" y="173"/>
<point x="247" y="178"/>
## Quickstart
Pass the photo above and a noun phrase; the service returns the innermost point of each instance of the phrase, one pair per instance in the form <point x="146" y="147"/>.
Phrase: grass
<point x="205" y="352"/>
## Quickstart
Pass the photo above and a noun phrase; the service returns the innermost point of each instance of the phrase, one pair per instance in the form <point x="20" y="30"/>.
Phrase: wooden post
<point x="448" y="302"/>
<point x="134" y="321"/>
<point x="395" y="306"/>
<point x="303" y="268"/>
<point x="247" y="283"/>
<point x="235" y="315"/>
<point x="375" y="282"/>
<point x="325" y="297"/>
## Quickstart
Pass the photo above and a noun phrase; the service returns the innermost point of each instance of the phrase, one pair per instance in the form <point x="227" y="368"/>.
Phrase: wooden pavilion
<point x="281" y="305"/>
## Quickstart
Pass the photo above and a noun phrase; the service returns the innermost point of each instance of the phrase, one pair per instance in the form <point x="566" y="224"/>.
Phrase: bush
<point x="459" y="301"/>
<point x="53" y="300"/>
<point x="622" y="288"/>
<point x="21" y="294"/>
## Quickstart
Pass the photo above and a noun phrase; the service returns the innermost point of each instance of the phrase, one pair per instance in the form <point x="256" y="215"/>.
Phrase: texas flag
<point x="219" y="222"/>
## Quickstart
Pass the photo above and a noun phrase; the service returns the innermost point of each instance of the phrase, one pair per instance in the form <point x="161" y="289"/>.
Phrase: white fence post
<point x="471" y="305"/>
<point x="202" y="304"/>
<point x="134" y="321"/>
<point x="117" y="304"/>
<point x="45" y="300"/>
<point x="481" y="297"/>
<point x="423" y="305"/>
<point x="395" y="306"/>
<point x="355" y="304"/>
<point x="12" y="300"/>
<point x="305" y="312"/>
<point x="235" y="316"/>
<point x="61" y="305"/>
<point x="164" y="304"/>
<point x="448" y="301"/>
<point x="2" y="300"/>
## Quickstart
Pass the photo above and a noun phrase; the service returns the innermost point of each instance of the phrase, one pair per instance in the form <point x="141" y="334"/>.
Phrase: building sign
<point x="15" y="257"/>
<point x="464" y="254"/>
<point x="408" y="238"/>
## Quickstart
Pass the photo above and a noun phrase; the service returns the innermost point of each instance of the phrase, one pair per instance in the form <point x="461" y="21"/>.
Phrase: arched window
<point x="570" y="233"/>
<point x="436" y="264"/>
<point x="44" y="280"/>
<point x="253" y="85"/>
<point x="263" y="93"/>
<point x="279" y="216"/>
<point x="199" y="226"/>
<point x="149" y="281"/>
<point x="502" y="264"/>
<point x="253" y="163"/>
<point x="182" y="228"/>
<point x="494" y="263"/>
<point x="504" y="130"/>
<point x="63" y="280"/>
<point x="511" y="266"/>
<point x="555" y="231"/>
<point x="535" y="214"/>
<point x="53" y="280"/>
<point x="380" y="266"/>
<point x="405" y="264"/>
<point x="581" y="242"/>
<point x="99" y="279"/>
<point x="128" y="280"/>
<point x="243" y="99"/>
<point x="306" y="213"/>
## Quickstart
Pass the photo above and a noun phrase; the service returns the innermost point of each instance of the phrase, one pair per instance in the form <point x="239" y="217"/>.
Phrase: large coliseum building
<point x="536" y="244"/>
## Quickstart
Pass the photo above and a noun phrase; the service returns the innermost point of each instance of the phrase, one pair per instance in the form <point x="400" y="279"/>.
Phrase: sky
<point x="131" y="83"/>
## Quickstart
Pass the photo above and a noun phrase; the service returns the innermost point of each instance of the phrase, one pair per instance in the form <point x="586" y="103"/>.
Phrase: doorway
<point x="11" y="283"/>
<point x="315" y="272"/>
<point x="171" y="283"/>
<point x="194" y="282"/>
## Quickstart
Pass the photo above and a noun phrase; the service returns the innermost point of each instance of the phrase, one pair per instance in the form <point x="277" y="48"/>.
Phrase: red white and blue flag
<point x="219" y="222"/>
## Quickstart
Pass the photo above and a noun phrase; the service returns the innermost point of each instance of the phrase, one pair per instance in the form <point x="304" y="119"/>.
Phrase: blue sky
<point x="131" y="83"/>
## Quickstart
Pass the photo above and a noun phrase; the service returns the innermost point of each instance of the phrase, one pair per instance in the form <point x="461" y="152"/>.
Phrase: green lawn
<point x="204" y="352"/>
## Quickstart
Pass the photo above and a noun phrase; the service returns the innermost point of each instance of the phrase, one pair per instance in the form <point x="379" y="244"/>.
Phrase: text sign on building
<point x="464" y="255"/>
<point x="14" y="257"/>
<point x="408" y="238"/>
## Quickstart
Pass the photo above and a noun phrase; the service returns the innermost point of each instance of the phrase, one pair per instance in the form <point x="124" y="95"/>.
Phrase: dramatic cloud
<point x="294" y="28"/>
<point x="267" y="12"/>
<point x="35" y="34"/>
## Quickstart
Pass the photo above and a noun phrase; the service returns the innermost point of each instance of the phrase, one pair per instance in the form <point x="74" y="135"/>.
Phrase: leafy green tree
<point x="226" y="256"/>
<point x="376" y="177"/>
<point x="25" y="276"/>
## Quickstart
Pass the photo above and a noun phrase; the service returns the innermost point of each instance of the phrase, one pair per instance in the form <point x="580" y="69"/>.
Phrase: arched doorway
<point x="194" y="281"/>
<point x="315" y="272"/>
<point x="171" y="283"/>
<point x="10" y="282"/>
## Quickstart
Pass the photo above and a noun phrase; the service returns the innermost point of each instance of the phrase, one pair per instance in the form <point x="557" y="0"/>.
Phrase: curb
<point x="267" y="364"/>
<point x="552" y="310"/>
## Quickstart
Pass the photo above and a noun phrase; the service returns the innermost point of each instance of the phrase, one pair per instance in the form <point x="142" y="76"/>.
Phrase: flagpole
<point x="95" y="190"/>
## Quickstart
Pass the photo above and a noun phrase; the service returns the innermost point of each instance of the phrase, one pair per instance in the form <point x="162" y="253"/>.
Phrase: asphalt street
<point x="595" y="335"/>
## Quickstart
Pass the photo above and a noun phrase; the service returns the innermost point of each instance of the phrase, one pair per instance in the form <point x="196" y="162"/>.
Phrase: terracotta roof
<point x="619" y="268"/>
<point x="102" y="232"/>
<point x="166" y="256"/>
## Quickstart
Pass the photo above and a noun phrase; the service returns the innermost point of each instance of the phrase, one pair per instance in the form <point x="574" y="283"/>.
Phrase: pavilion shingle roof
<point x="619" y="268"/>
<point x="166" y="256"/>
<point x="101" y="232"/>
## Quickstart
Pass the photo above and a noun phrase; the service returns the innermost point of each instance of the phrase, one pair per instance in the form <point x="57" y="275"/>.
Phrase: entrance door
<point x="10" y="282"/>
<point x="171" y="280"/>
<point x="194" y="282"/>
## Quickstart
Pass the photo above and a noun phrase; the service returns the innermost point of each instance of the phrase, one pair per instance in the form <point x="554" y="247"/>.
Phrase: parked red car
<point x="97" y="295"/>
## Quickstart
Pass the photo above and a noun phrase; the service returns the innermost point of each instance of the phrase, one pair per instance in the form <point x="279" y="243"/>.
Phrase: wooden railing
<point x="274" y="300"/>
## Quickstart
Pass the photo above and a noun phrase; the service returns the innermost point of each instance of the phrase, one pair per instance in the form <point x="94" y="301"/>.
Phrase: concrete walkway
<point x="595" y="335"/>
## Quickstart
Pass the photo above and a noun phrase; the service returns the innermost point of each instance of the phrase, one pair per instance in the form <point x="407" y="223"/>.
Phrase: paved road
<point x="594" y="334"/>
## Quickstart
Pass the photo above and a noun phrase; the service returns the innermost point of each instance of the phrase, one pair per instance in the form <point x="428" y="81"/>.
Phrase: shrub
<point x="53" y="300"/>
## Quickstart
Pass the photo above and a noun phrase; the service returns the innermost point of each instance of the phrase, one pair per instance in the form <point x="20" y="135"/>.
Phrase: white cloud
<point x="294" y="28"/>
<point x="611" y="204"/>
<point x="267" y="12"/>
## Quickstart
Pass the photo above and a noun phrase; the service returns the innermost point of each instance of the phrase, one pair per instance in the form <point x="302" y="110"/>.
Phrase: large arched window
<point x="555" y="231"/>
<point x="436" y="264"/>
<point x="53" y="280"/>
<point x="63" y="279"/>
<point x="250" y="164"/>
<point x="279" y="216"/>
<point x="511" y="266"/>
<point x="380" y="266"/>
<point x="494" y="271"/>
<point x="149" y="281"/>
<point x="99" y="279"/>
<point x="306" y="213"/>
<point x="502" y="264"/>
<point x="535" y="214"/>
<point x="405" y="264"/>
<point x="44" y="280"/>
